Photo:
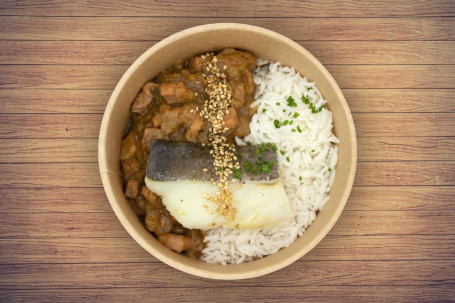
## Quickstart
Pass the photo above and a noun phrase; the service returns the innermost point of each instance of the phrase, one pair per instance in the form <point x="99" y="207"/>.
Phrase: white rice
<point x="308" y="175"/>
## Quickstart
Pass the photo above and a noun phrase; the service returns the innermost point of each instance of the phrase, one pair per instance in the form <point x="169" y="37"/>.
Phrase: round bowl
<point x="265" y="44"/>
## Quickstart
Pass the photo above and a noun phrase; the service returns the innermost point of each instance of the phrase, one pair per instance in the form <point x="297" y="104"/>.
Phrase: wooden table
<point x="59" y="238"/>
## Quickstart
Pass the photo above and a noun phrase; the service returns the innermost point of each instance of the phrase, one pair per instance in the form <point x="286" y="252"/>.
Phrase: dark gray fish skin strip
<point x="173" y="161"/>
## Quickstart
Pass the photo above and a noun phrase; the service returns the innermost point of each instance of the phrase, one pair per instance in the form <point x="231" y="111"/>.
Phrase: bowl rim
<point x="106" y="173"/>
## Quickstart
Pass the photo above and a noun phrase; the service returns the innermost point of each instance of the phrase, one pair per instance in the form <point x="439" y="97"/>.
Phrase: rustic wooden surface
<point x="59" y="238"/>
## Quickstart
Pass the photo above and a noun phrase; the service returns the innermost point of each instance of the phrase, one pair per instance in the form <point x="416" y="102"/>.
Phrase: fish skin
<point x="173" y="161"/>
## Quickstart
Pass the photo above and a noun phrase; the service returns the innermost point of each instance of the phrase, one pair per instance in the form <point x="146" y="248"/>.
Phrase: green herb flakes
<point x="291" y="102"/>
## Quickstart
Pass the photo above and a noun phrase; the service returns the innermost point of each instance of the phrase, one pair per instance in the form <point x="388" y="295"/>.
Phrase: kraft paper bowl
<point x="264" y="44"/>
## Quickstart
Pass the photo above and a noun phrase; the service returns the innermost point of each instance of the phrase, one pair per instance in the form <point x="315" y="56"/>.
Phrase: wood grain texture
<point x="400" y="100"/>
<point x="48" y="150"/>
<point x="87" y="174"/>
<point x="44" y="101"/>
<point x="309" y="273"/>
<point x="93" y="200"/>
<point x="60" y="241"/>
<point x="106" y="76"/>
<point x="433" y="293"/>
<point x="125" y="52"/>
<point x="55" y="200"/>
<point x="235" y="8"/>
<point x="106" y="225"/>
<point x="85" y="150"/>
<point x="63" y="126"/>
<point x="409" y="198"/>
<point x="121" y="250"/>
<point x="152" y="29"/>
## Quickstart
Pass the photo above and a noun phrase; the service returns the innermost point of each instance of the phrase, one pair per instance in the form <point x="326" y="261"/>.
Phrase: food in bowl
<point x="212" y="104"/>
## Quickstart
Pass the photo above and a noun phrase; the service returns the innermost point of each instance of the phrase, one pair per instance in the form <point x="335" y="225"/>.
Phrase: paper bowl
<point x="264" y="44"/>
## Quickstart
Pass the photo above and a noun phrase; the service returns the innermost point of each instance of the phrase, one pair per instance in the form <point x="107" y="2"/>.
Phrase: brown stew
<point x="166" y="108"/>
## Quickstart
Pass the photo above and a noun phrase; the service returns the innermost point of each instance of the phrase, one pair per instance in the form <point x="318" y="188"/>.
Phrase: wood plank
<point x="106" y="225"/>
<point x="126" y="250"/>
<point x="152" y="29"/>
<point x="48" y="150"/>
<point x="400" y="100"/>
<point x="256" y="8"/>
<point x="50" y="126"/>
<point x="368" y="198"/>
<point x="61" y="76"/>
<point x="87" y="174"/>
<point x="54" y="200"/>
<point x="72" y="52"/>
<point x="409" y="198"/>
<point x="405" y="148"/>
<point x="46" y="101"/>
<point x="393" y="76"/>
<point x="401" y="125"/>
<point x="19" y="101"/>
<point x="85" y="150"/>
<point x="328" y="52"/>
<point x="74" y="126"/>
<point x="107" y="76"/>
<point x="236" y="293"/>
<point x="50" y="175"/>
<point x="83" y="200"/>
<point x="405" y="173"/>
<point x="358" y="273"/>
<point x="382" y="52"/>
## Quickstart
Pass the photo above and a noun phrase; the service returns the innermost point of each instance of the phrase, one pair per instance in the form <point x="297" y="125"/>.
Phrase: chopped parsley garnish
<point x="277" y="123"/>
<point x="293" y="130"/>
<point x="287" y="159"/>
<point x="240" y="155"/>
<point x="218" y="168"/>
<point x="299" y="129"/>
<point x="291" y="102"/>
<point x="285" y="122"/>
<point x="260" y="165"/>
<point x="295" y="115"/>
<point x="312" y="150"/>
<point x="311" y="106"/>
<point x="237" y="173"/>
<point x="308" y="88"/>
<point x="282" y="152"/>
<point x="300" y="178"/>
<point x="305" y="100"/>
<point x="278" y="103"/>
<point x="329" y="169"/>
<point x="264" y="110"/>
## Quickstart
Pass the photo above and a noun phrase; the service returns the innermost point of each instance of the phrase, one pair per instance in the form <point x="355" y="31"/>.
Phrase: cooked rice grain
<point x="308" y="175"/>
